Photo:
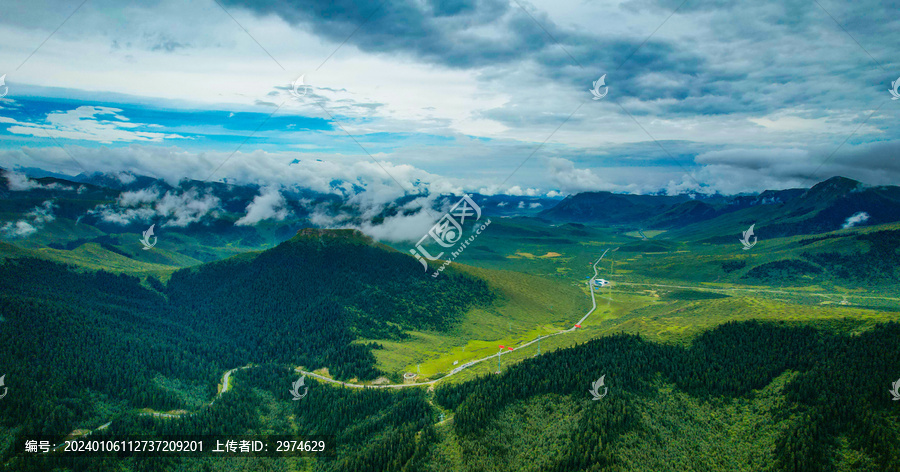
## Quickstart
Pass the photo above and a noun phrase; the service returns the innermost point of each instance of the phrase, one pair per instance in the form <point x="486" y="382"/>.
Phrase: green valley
<point x="778" y="357"/>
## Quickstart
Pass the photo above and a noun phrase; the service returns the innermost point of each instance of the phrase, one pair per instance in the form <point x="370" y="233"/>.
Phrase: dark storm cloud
<point x="742" y="57"/>
<point x="454" y="34"/>
<point x="741" y="169"/>
<point x="435" y="34"/>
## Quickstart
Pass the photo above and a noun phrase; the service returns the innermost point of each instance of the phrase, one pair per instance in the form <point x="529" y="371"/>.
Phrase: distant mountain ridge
<point x="235" y="198"/>
<point x="90" y="200"/>
<point x="613" y="208"/>
<point x="824" y="207"/>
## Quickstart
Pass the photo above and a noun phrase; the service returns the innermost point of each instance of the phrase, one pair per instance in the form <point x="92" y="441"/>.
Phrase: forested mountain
<point x="824" y="207"/>
<point x="827" y="205"/>
<point x="125" y="202"/>
<point x="77" y="344"/>
<point x="837" y="401"/>
<point x="71" y="341"/>
<point x="612" y="208"/>
<point x="830" y="410"/>
<point x="317" y="292"/>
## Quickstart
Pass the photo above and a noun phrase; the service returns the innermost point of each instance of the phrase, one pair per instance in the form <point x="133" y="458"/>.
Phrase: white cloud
<point x="138" y="197"/>
<point x="857" y="218"/>
<point x="534" y="205"/>
<point x="178" y="209"/>
<point x="83" y="123"/>
<point x="34" y="220"/>
<point x="20" y="182"/>
<point x="360" y="179"/>
<point x="569" y="179"/>
<point x="42" y="214"/>
<point x="126" y="177"/>
<point x="401" y="227"/>
<point x="723" y="92"/>
<point x="186" y="208"/>
<point x="744" y="169"/>
<point x="517" y="191"/>
<point x="268" y="205"/>
<point x="753" y="158"/>
<point x="410" y="223"/>
<point x="123" y="216"/>
<point x="18" y="229"/>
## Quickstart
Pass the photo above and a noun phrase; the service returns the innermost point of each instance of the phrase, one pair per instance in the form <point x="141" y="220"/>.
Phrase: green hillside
<point x="742" y="397"/>
<point x="746" y="396"/>
<point x="716" y="357"/>
<point x="113" y="344"/>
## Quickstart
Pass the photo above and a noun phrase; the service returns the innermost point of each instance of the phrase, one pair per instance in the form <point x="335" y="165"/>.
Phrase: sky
<point x="421" y="96"/>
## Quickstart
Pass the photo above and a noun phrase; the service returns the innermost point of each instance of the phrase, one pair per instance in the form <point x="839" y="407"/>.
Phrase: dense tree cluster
<point x="68" y="336"/>
<point x="731" y="266"/>
<point x="783" y="270"/>
<point x="76" y="342"/>
<point x="879" y="263"/>
<point x="372" y="429"/>
<point x="841" y="389"/>
<point x="307" y="299"/>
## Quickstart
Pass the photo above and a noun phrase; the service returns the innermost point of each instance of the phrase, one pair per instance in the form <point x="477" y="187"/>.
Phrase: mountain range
<point x="827" y="206"/>
<point x="118" y="203"/>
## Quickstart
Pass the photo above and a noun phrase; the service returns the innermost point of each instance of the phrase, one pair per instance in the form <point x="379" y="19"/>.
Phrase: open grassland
<point x="65" y="241"/>
<point x="91" y="257"/>
<point x="680" y="320"/>
<point x="528" y="307"/>
<point x="660" y="319"/>
<point x="659" y="314"/>
<point x="664" y="296"/>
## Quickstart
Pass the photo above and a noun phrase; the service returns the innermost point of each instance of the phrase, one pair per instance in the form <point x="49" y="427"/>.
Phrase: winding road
<point x="226" y="377"/>
<point x="471" y="363"/>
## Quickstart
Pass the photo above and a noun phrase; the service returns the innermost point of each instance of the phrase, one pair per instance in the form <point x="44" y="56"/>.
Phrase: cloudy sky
<point x="489" y="96"/>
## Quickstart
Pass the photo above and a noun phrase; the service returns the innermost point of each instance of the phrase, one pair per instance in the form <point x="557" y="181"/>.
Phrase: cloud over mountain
<point x="268" y="205"/>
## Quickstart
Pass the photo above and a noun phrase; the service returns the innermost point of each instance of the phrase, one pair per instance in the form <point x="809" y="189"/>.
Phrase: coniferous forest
<point x="85" y="348"/>
<point x="834" y="395"/>
<point x="79" y="344"/>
